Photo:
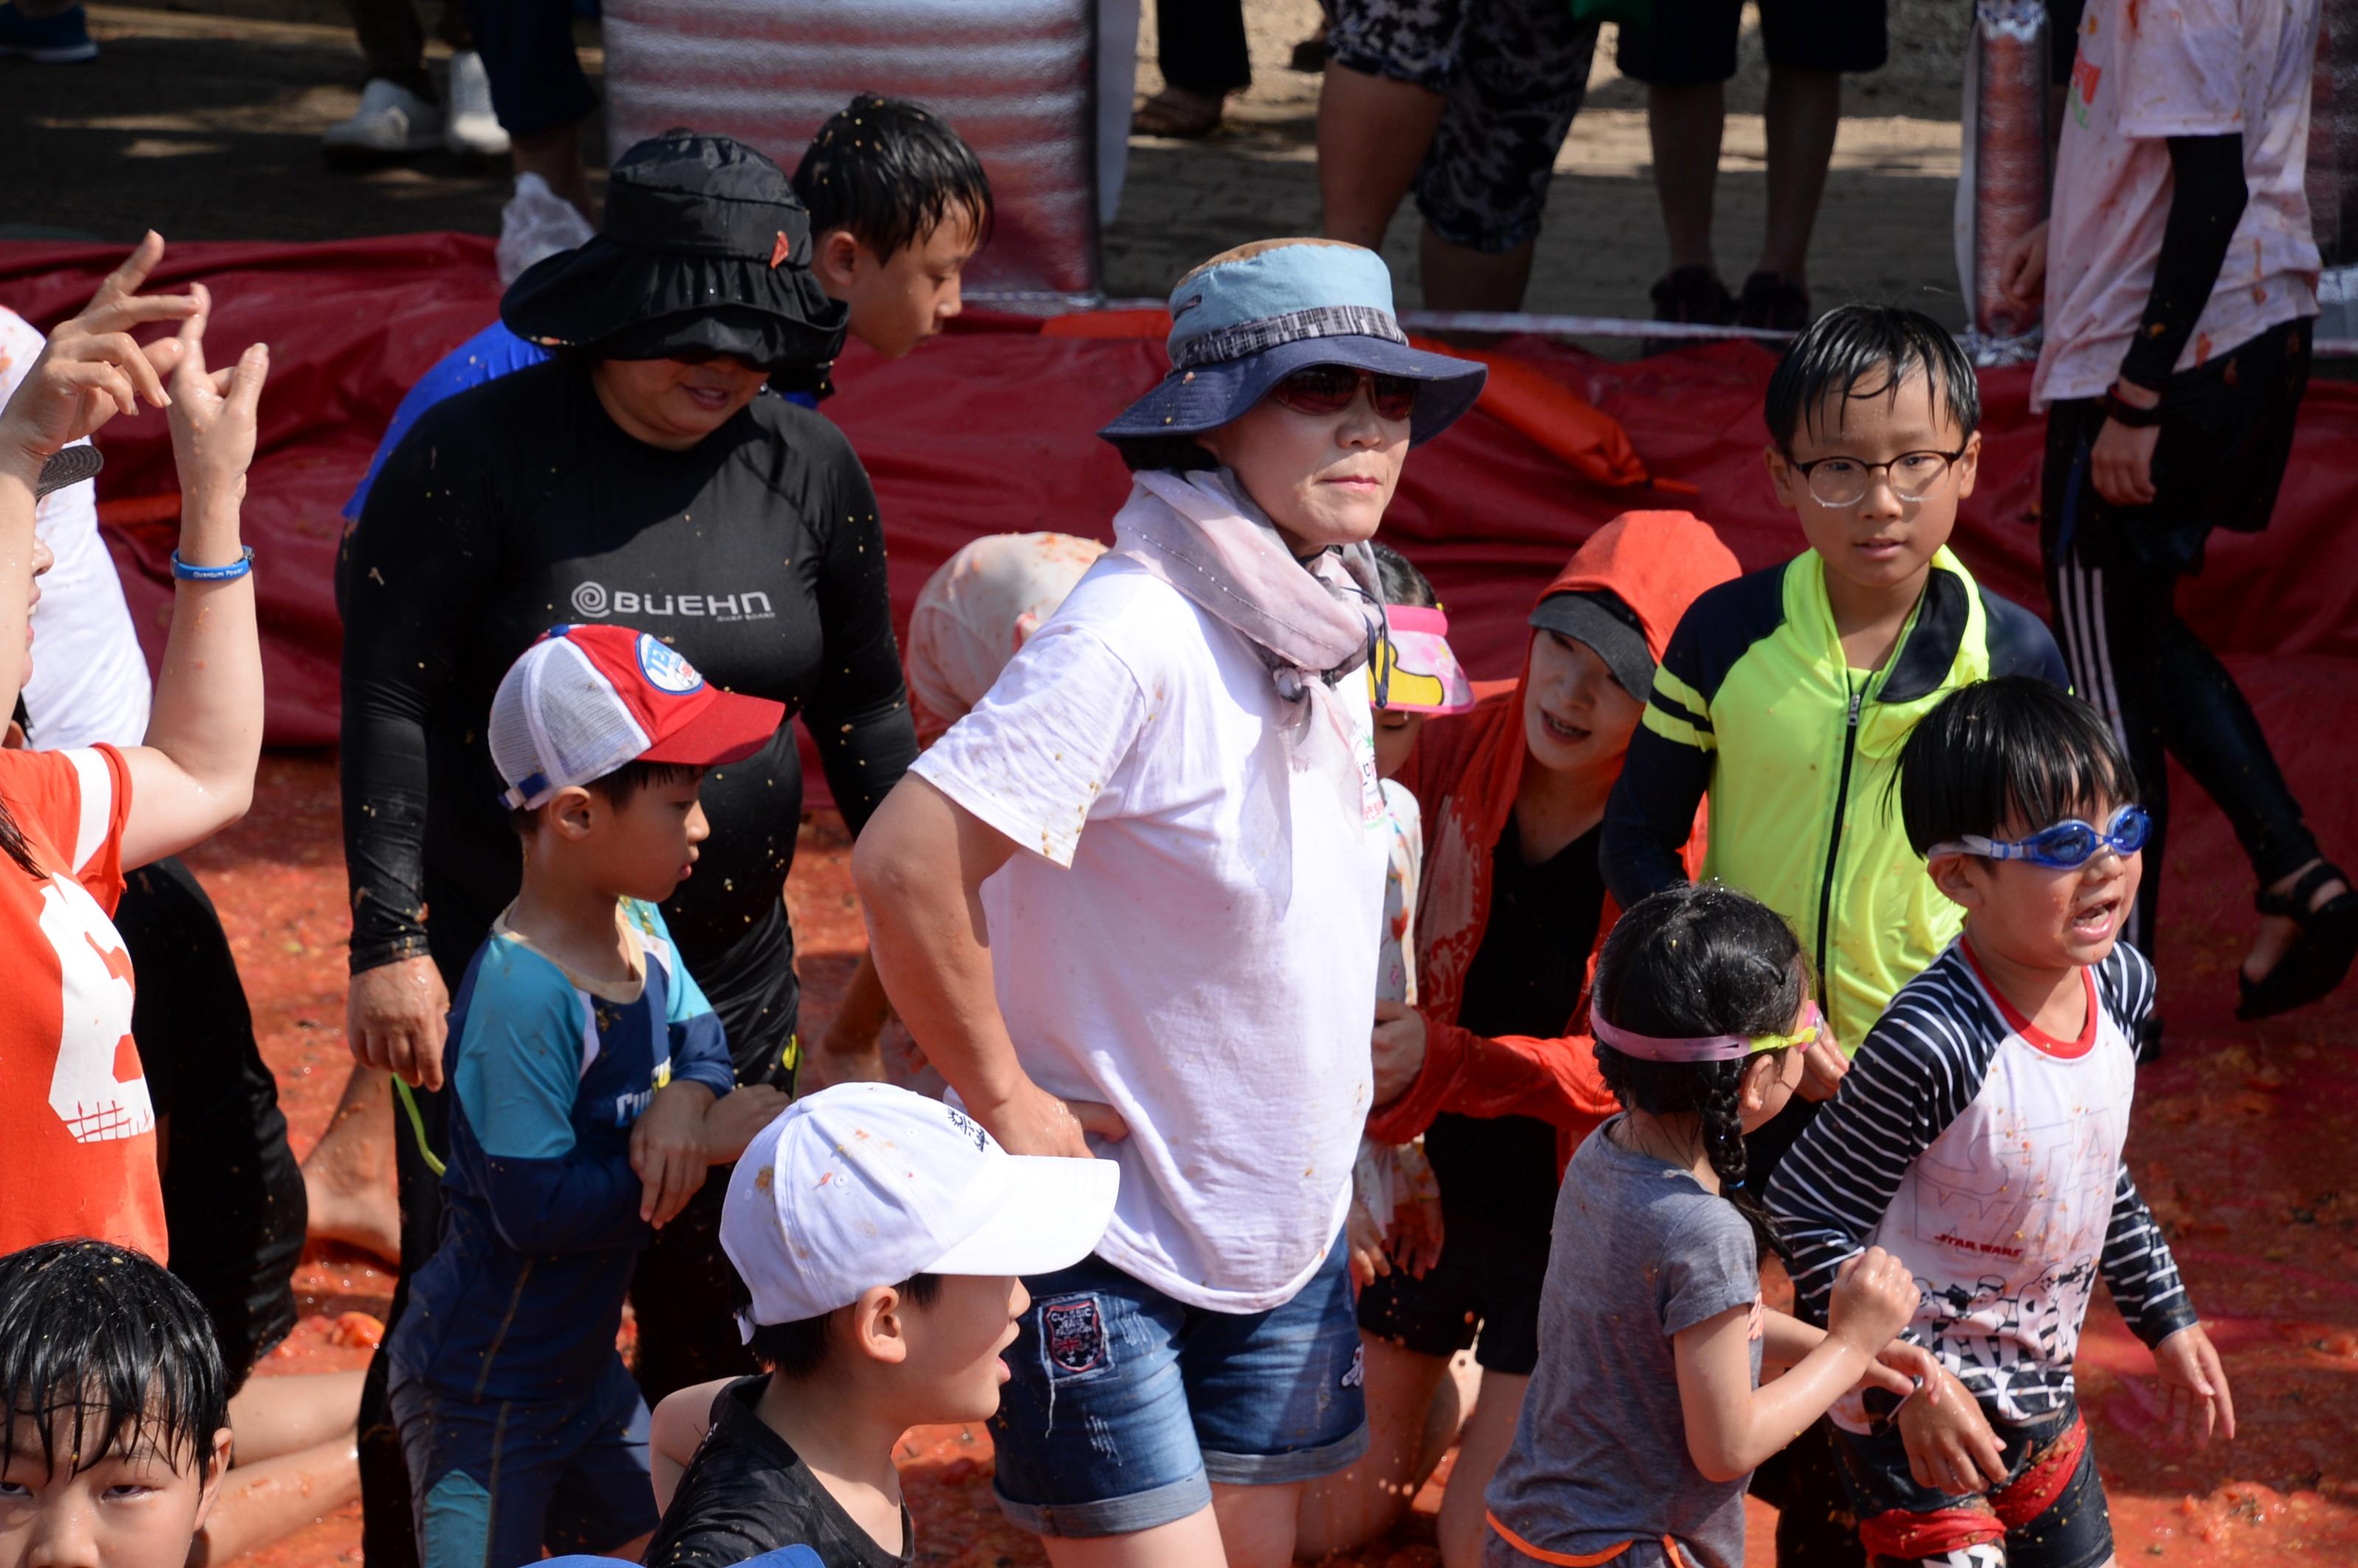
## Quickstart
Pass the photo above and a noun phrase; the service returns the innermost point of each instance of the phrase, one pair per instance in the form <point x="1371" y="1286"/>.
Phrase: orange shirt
<point x="76" y="1123"/>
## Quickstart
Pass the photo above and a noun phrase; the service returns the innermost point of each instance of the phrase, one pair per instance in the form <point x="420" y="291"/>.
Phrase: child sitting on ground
<point x="1395" y="1212"/>
<point x="1979" y="1138"/>
<point x="878" y="1237"/>
<point x="592" y="1089"/>
<point x="1644" y="1418"/>
<point x="113" y="1410"/>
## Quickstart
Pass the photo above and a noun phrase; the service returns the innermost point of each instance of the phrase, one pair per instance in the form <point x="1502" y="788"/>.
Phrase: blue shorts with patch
<point x="1126" y="1405"/>
<point x="494" y="1482"/>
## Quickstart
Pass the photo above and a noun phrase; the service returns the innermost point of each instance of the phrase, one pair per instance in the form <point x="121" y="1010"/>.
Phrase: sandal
<point x="1178" y="114"/>
<point x="2318" y="959"/>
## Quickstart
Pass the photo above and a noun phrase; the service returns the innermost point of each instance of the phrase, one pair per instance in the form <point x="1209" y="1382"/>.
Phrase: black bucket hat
<point x="705" y="247"/>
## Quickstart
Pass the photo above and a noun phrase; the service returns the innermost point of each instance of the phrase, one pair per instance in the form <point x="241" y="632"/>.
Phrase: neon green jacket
<point x="1754" y="705"/>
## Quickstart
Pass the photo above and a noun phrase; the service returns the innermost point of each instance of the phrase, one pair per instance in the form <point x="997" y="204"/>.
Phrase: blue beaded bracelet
<point x="188" y="573"/>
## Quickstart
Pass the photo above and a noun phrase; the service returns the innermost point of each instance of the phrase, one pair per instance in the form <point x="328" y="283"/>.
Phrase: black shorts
<point x="233" y="1204"/>
<point x="1490" y="1277"/>
<point x="2226" y="436"/>
<point x="2048" y="1513"/>
<point x="1690" y="42"/>
<point x="1511" y="74"/>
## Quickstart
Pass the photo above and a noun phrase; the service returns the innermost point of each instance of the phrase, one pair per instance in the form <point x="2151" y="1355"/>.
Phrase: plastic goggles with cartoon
<point x="1708" y="1047"/>
<point x="1413" y="670"/>
<point x="2064" y="846"/>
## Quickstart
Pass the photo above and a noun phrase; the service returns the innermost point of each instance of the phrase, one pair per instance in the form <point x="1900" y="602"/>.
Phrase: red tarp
<point x="990" y="430"/>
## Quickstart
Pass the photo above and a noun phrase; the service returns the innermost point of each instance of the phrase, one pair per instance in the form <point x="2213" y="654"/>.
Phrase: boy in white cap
<point x="593" y="1089"/>
<point x="880" y="1238"/>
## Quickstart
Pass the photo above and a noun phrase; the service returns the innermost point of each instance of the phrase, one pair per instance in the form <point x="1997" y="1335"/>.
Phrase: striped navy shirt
<point x="1986" y="1155"/>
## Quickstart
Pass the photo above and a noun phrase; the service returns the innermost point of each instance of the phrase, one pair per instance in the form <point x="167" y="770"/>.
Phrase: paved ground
<point x="202" y="120"/>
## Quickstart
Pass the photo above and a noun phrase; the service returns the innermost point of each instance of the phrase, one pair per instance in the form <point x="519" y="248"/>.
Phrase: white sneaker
<point x="392" y="120"/>
<point x="470" y="126"/>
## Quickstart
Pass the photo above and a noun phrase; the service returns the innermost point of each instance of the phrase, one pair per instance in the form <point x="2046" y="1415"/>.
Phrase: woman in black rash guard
<point x="639" y="478"/>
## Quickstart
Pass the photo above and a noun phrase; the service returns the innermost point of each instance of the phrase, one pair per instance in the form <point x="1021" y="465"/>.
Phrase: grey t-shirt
<point x="1640" y="1252"/>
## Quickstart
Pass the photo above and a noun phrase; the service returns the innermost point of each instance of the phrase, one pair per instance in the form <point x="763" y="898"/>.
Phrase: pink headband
<point x="1424" y="676"/>
<point x="1708" y="1048"/>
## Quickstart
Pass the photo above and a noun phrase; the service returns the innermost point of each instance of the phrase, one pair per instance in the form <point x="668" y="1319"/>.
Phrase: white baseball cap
<point x="866" y="1184"/>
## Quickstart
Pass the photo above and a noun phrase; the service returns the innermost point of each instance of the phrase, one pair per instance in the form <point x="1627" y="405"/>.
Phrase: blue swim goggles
<point x="2065" y="847"/>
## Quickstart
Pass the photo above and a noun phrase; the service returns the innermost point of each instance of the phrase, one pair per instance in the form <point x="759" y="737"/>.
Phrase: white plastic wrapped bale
<point x="1017" y="78"/>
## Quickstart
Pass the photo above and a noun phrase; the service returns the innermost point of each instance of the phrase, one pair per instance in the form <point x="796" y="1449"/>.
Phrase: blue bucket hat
<point x="1247" y="319"/>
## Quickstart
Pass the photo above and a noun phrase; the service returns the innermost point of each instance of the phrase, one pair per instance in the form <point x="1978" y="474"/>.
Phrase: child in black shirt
<point x="852" y="1186"/>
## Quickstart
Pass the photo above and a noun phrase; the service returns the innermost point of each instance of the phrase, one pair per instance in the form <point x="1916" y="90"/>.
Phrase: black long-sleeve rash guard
<point x="519" y="505"/>
<point x="2208" y="194"/>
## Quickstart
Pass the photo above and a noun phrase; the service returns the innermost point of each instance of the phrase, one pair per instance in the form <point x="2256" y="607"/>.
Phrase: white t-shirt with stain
<point x="1191" y="933"/>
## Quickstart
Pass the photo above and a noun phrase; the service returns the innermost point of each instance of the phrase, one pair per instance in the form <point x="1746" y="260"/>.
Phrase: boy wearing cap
<point x="592" y="1090"/>
<point x="879" y="1238"/>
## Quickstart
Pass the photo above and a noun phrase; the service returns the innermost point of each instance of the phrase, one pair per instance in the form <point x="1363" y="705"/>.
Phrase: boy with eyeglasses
<point x="1978" y="1139"/>
<point x="1785" y="696"/>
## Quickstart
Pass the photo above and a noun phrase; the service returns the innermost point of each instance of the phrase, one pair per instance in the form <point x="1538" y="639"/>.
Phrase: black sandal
<point x="2319" y="958"/>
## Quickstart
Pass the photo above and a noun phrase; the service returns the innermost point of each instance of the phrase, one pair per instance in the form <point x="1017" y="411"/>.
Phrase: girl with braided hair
<point x="1646" y="1414"/>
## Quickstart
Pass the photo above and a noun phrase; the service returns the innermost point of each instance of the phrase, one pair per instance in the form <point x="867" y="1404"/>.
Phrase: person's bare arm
<point x="1732" y="1425"/>
<point x="675" y="1433"/>
<point x="920" y="865"/>
<point x="195" y="774"/>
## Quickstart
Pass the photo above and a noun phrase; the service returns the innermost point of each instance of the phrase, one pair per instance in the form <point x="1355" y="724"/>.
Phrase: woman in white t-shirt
<point x="1158" y="945"/>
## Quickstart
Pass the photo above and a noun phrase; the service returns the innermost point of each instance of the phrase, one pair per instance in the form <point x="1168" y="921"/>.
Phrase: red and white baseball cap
<point x="585" y="700"/>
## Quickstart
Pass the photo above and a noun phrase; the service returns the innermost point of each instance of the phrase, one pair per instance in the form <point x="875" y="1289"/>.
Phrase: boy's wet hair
<point x="1693" y="960"/>
<point x="619" y="788"/>
<point x="798" y="1349"/>
<point x="891" y="172"/>
<point x="111" y="1340"/>
<point x="1402" y="584"/>
<point x="1857" y="351"/>
<point x="2014" y="746"/>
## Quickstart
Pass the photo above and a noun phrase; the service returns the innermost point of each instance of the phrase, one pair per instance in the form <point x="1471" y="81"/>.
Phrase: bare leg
<point x="1458" y="278"/>
<point x="1685" y="123"/>
<point x="555" y="157"/>
<point x="348" y="1177"/>
<point x="1490" y="1432"/>
<point x="1190" y="1543"/>
<point x="277" y="1416"/>
<point x="1256" y="1523"/>
<point x="1804" y="108"/>
<point x="2277" y="931"/>
<point x="848" y="1054"/>
<point x="1412" y="1413"/>
<point x="1372" y="133"/>
<point x="261" y="1502"/>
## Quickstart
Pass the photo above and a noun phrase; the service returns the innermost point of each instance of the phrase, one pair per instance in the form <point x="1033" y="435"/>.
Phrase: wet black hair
<point x="891" y="172"/>
<point x="2012" y="746"/>
<point x="112" y="1337"/>
<point x="618" y="787"/>
<point x="1401" y="582"/>
<point x="1857" y="351"/>
<point x="798" y="1349"/>
<point x="1693" y="960"/>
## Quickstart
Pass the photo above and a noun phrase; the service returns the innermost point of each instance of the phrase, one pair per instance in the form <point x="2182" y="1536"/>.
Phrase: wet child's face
<point x="956" y="1344"/>
<point x="1395" y="740"/>
<point x="643" y="848"/>
<point x="899" y="301"/>
<point x="135" y="1506"/>
<point x="2038" y="916"/>
<point x="1883" y="538"/>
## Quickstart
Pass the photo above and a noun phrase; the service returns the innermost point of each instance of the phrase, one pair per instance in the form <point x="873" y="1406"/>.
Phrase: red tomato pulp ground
<point x="2242" y="1141"/>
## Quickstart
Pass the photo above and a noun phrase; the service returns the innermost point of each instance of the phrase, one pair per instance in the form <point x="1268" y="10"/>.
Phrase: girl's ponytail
<point x="1697" y="960"/>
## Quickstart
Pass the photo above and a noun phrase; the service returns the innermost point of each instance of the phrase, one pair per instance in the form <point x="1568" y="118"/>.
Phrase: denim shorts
<point x="2048" y="1513"/>
<point x="1126" y="1405"/>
